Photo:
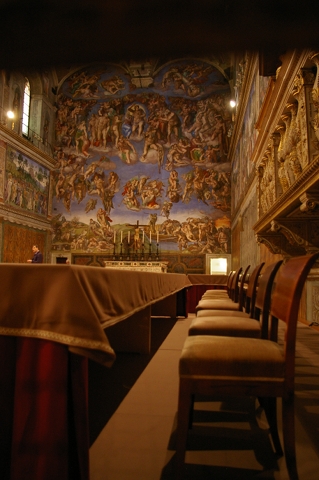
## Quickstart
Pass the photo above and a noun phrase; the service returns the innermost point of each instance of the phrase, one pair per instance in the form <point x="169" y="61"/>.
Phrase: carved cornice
<point x="9" y="215"/>
<point x="291" y="237"/>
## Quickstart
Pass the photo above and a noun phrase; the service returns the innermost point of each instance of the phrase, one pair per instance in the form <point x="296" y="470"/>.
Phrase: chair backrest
<point x="229" y="280"/>
<point x="263" y="296"/>
<point x="241" y="291"/>
<point x="252" y="288"/>
<point x="234" y="288"/>
<point x="285" y="302"/>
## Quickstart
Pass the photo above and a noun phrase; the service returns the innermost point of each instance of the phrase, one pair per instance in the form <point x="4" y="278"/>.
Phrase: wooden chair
<point x="212" y="293"/>
<point x="219" y="365"/>
<point x="237" y="323"/>
<point x="236" y="300"/>
<point x="249" y="302"/>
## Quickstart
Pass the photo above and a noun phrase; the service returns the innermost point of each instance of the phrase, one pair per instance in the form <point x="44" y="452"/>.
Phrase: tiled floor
<point x="133" y="424"/>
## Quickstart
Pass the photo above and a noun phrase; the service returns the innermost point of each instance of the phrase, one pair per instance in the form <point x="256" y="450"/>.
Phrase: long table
<point x="201" y="283"/>
<point x="52" y="319"/>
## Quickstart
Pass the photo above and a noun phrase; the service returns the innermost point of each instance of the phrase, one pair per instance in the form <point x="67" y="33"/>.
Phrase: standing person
<point x="37" y="255"/>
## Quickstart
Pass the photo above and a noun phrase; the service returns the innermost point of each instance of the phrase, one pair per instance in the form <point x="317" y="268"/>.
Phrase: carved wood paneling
<point x="18" y="241"/>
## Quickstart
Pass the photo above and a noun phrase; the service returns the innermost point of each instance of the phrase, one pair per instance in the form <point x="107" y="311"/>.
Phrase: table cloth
<point x="52" y="319"/>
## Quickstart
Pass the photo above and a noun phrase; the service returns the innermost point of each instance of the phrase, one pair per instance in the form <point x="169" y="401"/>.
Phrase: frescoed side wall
<point x="26" y="183"/>
<point x="142" y="159"/>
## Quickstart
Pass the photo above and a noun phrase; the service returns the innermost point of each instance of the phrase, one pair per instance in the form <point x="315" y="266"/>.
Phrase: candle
<point x="128" y="236"/>
<point x="121" y="236"/>
<point x="143" y="236"/>
<point x="150" y="236"/>
<point x="157" y="237"/>
<point x="114" y="236"/>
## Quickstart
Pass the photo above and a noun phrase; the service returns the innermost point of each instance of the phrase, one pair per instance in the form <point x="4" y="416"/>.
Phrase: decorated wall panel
<point x="142" y="159"/>
<point x="26" y="183"/>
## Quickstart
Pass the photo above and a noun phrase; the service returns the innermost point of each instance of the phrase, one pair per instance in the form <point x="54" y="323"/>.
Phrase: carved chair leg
<point x="185" y="403"/>
<point x="288" y="428"/>
<point x="270" y="408"/>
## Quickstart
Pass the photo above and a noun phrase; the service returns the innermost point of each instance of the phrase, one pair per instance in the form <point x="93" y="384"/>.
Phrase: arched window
<point x="26" y="108"/>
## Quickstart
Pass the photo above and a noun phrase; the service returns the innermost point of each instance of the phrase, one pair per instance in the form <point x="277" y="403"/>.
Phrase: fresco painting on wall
<point x="142" y="159"/>
<point x="27" y="183"/>
<point x="242" y="164"/>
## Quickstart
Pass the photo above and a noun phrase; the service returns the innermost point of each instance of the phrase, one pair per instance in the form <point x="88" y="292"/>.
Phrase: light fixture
<point x="7" y="114"/>
<point x="232" y="103"/>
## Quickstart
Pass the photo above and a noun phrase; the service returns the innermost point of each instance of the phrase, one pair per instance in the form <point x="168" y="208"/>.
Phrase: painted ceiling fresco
<point x="142" y="158"/>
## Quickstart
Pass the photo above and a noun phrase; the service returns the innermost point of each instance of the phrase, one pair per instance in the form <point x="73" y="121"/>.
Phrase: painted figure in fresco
<point x="211" y="244"/>
<point x="104" y="220"/>
<point x="113" y="85"/>
<point x="166" y="209"/>
<point x="151" y="143"/>
<point x="197" y="151"/>
<point x="142" y="181"/>
<point x="90" y="205"/>
<point x="136" y="115"/>
<point x="149" y="197"/>
<point x="189" y="186"/>
<point x="129" y="196"/>
<point x="116" y="129"/>
<point x="173" y="124"/>
<point x="136" y="238"/>
<point x="200" y="186"/>
<point x="210" y="155"/>
<point x="174" y="189"/>
<point x="59" y="187"/>
<point x="92" y="128"/>
<point x="8" y="187"/>
<point x="81" y="140"/>
<point x="152" y="220"/>
<point x="103" y="128"/>
<point x="220" y="134"/>
<point x="222" y="239"/>
<point x="177" y="155"/>
<point x="127" y="150"/>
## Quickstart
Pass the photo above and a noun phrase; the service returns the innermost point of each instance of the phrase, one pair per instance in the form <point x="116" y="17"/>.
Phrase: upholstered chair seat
<point x="237" y="359"/>
<point x="228" y="325"/>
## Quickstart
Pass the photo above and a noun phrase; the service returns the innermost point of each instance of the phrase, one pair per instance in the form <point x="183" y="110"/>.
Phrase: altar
<point x="137" y="265"/>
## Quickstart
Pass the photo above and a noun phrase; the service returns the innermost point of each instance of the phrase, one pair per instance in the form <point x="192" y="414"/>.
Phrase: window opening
<point x="26" y="108"/>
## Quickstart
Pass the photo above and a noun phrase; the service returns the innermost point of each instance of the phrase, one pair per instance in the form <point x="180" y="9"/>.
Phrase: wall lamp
<point x="7" y="114"/>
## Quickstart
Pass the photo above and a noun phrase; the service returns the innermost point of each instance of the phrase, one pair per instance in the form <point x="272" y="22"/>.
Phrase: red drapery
<point x="43" y="411"/>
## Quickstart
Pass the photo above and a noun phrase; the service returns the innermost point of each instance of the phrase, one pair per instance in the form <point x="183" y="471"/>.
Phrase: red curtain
<point x="43" y="411"/>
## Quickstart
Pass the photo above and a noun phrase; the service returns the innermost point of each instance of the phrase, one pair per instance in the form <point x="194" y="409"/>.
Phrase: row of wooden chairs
<point x="232" y="349"/>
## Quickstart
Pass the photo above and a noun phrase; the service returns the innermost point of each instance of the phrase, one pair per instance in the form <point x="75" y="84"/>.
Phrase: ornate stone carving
<point x="315" y="98"/>
<point x="309" y="201"/>
<point x="271" y="242"/>
<point x="292" y="237"/>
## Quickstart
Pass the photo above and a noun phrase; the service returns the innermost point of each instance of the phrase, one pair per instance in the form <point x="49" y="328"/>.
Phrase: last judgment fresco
<point x="142" y="159"/>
